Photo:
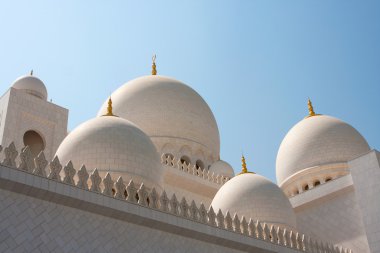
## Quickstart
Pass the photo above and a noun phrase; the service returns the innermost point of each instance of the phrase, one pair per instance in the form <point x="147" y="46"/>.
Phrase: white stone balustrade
<point x="152" y="199"/>
<point x="193" y="170"/>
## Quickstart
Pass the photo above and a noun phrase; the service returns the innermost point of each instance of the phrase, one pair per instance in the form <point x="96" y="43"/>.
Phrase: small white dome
<point x="116" y="145"/>
<point x="316" y="141"/>
<point x="171" y="113"/>
<point x="222" y="168"/>
<point x="253" y="196"/>
<point x="31" y="85"/>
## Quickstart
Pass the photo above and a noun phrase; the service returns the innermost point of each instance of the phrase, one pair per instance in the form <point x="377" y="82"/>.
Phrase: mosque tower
<point x="28" y="119"/>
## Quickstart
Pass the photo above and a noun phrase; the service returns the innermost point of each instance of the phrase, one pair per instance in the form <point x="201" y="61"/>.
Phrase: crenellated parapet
<point x="193" y="169"/>
<point x="142" y="197"/>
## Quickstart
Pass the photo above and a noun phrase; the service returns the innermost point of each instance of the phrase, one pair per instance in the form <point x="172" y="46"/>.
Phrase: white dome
<point x="31" y="85"/>
<point x="222" y="168"/>
<point x="316" y="141"/>
<point x="116" y="145"/>
<point x="171" y="113"/>
<point x="253" y="196"/>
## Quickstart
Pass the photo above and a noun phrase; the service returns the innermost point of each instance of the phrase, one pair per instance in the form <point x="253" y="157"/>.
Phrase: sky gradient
<point x="254" y="62"/>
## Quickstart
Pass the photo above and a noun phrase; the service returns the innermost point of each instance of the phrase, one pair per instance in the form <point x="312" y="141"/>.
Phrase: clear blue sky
<point x="254" y="62"/>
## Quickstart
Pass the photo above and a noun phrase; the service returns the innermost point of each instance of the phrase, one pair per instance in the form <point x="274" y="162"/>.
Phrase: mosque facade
<point x="145" y="175"/>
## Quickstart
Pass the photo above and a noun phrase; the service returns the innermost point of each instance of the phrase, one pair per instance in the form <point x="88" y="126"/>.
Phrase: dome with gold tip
<point x="315" y="141"/>
<point x="113" y="144"/>
<point x="172" y="114"/>
<point x="255" y="197"/>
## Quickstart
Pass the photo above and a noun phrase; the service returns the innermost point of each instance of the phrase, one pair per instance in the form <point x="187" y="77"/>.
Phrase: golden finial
<point x="109" y="108"/>
<point x="311" y="109"/>
<point x="154" y="70"/>
<point x="31" y="72"/>
<point x="243" y="165"/>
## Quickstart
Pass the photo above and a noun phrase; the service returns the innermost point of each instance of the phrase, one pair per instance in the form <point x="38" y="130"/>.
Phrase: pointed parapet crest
<point x="184" y="208"/>
<point x="55" y="168"/>
<point x="260" y="231"/>
<point x="194" y="211"/>
<point x="131" y="192"/>
<point x="228" y="221"/>
<point x="69" y="173"/>
<point x="10" y="154"/>
<point x="153" y="199"/>
<point x="174" y="204"/>
<point x="252" y="228"/>
<point x="40" y="165"/>
<point x="236" y="223"/>
<point x="164" y="202"/>
<point x="202" y="213"/>
<point x="220" y="219"/>
<point x="293" y="240"/>
<point x="83" y="178"/>
<point x="266" y="232"/>
<point x="142" y="193"/>
<point x="27" y="162"/>
<point x="108" y="184"/>
<point x="211" y="216"/>
<point x="95" y="181"/>
<point x="120" y="188"/>
<point x="244" y="226"/>
<point x="280" y="236"/>
<point x="299" y="241"/>
<point x="273" y="234"/>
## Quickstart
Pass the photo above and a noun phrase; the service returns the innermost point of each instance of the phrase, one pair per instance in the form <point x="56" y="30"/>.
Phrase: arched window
<point x="199" y="164"/>
<point x="328" y="179"/>
<point x="185" y="159"/>
<point x="316" y="183"/>
<point x="167" y="155"/>
<point x="305" y="187"/>
<point x="34" y="141"/>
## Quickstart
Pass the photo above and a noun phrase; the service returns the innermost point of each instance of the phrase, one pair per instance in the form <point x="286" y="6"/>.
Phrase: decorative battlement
<point x="192" y="169"/>
<point x="152" y="199"/>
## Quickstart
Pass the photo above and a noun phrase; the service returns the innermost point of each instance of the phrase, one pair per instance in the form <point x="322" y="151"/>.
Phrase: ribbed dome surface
<point x="169" y="112"/>
<point x="31" y="85"/>
<point x="315" y="141"/>
<point x="222" y="168"/>
<point x="253" y="196"/>
<point x="116" y="145"/>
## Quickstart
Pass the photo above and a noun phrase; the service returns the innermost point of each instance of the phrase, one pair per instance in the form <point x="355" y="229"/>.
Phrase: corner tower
<point x="28" y="119"/>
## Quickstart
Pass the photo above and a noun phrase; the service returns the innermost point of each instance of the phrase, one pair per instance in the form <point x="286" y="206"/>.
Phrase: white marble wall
<point x="33" y="225"/>
<point x="38" y="214"/>
<point x="331" y="213"/>
<point x="365" y="172"/>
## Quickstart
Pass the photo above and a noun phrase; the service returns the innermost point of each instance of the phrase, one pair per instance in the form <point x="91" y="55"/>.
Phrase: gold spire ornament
<point x="154" y="70"/>
<point x="244" y="166"/>
<point x="109" y="109"/>
<point x="311" y="109"/>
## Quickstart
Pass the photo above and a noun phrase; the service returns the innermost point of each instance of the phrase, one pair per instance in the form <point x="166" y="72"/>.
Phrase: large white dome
<point x="172" y="114"/>
<point x="222" y="168"/>
<point x="253" y="196"/>
<point x="316" y="141"/>
<point x="31" y="85"/>
<point x="113" y="144"/>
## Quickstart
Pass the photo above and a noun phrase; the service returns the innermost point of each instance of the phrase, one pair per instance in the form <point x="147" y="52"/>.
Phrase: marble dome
<point x="171" y="114"/>
<point x="113" y="144"/>
<point x="31" y="85"/>
<point x="315" y="141"/>
<point x="253" y="196"/>
<point x="222" y="168"/>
